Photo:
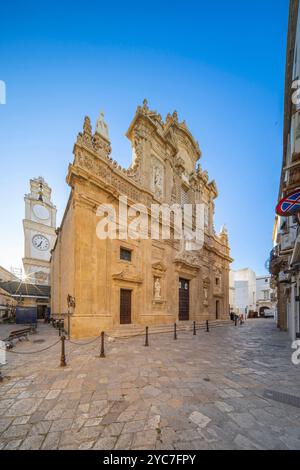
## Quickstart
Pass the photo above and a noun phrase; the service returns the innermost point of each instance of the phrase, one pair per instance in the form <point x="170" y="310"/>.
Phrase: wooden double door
<point x="125" y="307"/>
<point x="184" y="299"/>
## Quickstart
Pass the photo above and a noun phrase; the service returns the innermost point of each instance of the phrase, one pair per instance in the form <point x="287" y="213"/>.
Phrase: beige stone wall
<point x="63" y="264"/>
<point x="100" y="274"/>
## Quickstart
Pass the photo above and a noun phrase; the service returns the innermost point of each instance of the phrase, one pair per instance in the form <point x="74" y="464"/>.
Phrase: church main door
<point x="184" y="300"/>
<point x="125" y="307"/>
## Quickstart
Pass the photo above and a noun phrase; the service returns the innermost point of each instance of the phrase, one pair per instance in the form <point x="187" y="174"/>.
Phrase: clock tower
<point x="39" y="232"/>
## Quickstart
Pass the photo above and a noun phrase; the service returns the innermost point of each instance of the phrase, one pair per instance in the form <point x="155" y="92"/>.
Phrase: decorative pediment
<point x="159" y="268"/>
<point x="186" y="268"/>
<point x="127" y="276"/>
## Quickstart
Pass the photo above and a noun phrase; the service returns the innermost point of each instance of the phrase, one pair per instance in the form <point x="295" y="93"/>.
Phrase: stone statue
<point x="205" y="293"/>
<point x="158" y="181"/>
<point x="102" y="127"/>
<point x="157" y="289"/>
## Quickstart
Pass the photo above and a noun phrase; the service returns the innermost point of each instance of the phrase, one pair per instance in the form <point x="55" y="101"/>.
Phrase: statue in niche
<point x="157" y="289"/>
<point x="206" y="215"/>
<point x="173" y="196"/>
<point x="157" y="182"/>
<point x="205" y="294"/>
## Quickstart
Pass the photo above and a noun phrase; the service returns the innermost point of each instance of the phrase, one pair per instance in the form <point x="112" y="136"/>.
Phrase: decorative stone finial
<point x="102" y="127"/>
<point x="145" y="104"/>
<point x="87" y="128"/>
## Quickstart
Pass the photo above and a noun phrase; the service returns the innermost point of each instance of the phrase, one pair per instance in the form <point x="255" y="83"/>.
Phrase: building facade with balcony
<point x="284" y="263"/>
<point x="266" y="298"/>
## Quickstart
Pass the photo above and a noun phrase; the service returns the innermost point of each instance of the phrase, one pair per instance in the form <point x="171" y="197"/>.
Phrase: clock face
<point x="40" y="242"/>
<point x="41" y="212"/>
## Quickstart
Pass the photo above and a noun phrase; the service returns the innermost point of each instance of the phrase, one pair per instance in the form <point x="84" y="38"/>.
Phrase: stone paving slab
<point x="200" y="392"/>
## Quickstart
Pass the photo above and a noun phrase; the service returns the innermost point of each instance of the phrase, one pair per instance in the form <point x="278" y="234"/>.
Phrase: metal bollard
<point x="102" y="354"/>
<point x="194" y="328"/>
<point x="63" y="355"/>
<point x="235" y="320"/>
<point x="207" y="326"/>
<point x="146" y="338"/>
<point x="1" y="377"/>
<point x="175" y="331"/>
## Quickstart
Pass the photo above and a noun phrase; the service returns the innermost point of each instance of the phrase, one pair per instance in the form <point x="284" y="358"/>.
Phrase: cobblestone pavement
<point x="202" y="392"/>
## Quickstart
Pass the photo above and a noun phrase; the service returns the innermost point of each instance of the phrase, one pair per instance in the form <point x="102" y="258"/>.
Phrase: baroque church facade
<point x="118" y="282"/>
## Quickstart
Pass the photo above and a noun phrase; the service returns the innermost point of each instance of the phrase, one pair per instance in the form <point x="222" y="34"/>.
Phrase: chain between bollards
<point x="175" y="331"/>
<point x="207" y="326"/>
<point x="63" y="355"/>
<point x="102" y="353"/>
<point x="194" y="328"/>
<point x="146" y="337"/>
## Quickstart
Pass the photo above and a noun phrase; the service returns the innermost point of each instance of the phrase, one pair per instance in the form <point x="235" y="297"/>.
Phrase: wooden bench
<point x="18" y="334"/>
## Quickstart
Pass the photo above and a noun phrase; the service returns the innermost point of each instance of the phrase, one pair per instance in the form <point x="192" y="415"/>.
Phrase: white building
<point x="265" y="295"/>
<point x="285" y="257"/>
<point x="243" y="290"/>
<point x="231" y="291"/>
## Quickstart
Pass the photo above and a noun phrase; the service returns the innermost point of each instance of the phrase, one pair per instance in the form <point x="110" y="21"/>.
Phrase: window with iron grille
<point x="184" y="197"/>
<point x="125" y="254"/>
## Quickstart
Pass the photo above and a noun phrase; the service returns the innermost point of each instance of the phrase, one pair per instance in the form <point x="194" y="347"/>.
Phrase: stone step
<point x="123" y="331"/>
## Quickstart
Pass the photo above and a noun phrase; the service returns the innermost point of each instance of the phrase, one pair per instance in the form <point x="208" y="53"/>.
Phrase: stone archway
<point x="262" y="310"/>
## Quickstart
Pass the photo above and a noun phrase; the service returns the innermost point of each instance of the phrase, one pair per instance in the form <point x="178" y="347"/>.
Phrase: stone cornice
<point x="33" y="225"/>
<point x="127" y="277"/>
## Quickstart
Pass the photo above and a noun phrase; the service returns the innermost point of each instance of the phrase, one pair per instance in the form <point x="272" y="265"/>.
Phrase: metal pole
<point x="207" y="326"/>
<point x="63" y="356"/>
<point x="175" y="331"/>
<point x="235" y="320"/>
<point x="194" y="328"/>
<point x="146" y="339"/>
<point x="102" y="354"/>
<point x="69" y="325"/>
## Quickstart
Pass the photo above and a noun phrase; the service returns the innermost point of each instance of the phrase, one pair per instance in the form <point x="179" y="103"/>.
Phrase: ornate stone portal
<point x="138" y="279"/>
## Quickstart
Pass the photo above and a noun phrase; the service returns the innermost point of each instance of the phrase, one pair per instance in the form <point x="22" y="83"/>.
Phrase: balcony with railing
<point x="275" y="260"/>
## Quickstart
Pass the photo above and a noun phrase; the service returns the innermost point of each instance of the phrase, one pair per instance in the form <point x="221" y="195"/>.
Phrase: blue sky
<point x="219" y="64"/>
